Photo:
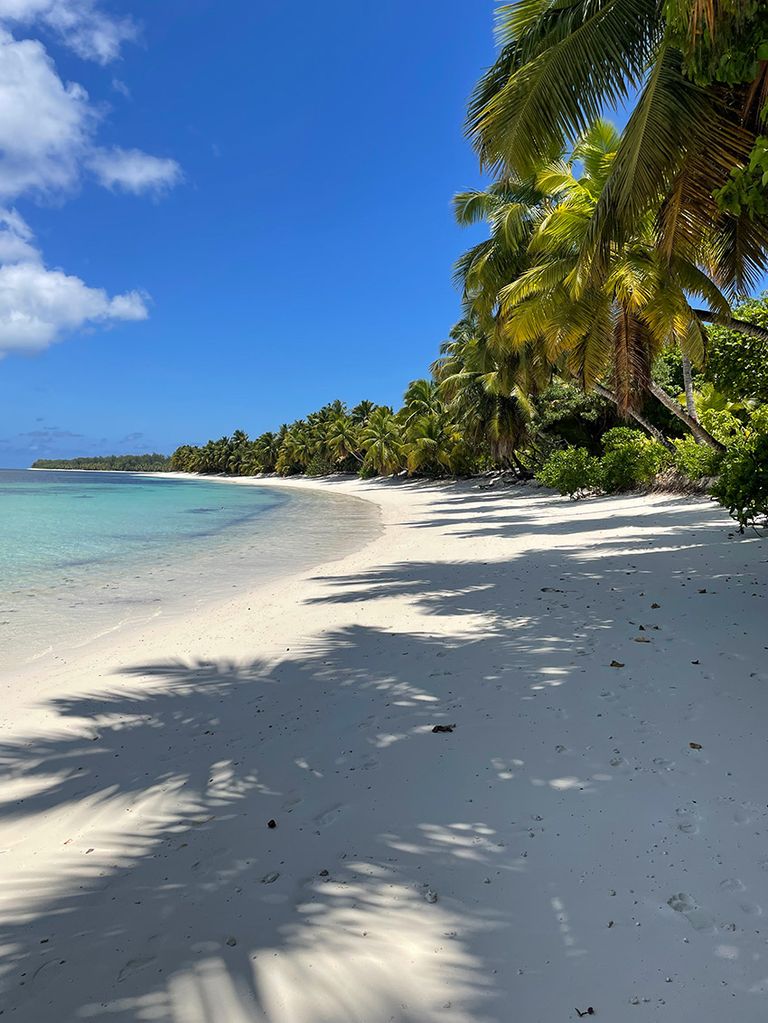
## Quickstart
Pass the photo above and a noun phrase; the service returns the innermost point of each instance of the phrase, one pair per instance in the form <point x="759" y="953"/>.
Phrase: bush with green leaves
<point x="737" y="364"/>
<point x="631" y="459"/>
<point x="742" y="485"/>
<point x="571" y="471"/>
<point x="696" y="461"/>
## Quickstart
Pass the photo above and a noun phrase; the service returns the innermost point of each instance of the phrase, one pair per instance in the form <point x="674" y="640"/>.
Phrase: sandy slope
<point x="564" y="847"/>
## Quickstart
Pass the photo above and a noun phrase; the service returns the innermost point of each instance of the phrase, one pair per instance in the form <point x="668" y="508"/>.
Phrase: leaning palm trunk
<point x="740" y="326"/>
<point x="701" y="435"/>
<point x="690" y="402"/>
<point x="639" y="418"/>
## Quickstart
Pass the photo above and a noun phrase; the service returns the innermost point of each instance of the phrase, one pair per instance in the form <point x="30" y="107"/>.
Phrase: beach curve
<point x="587" y="834"/>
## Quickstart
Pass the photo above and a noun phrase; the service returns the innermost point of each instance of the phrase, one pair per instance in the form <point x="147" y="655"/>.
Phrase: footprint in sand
<point x="697" y="917"/>
<point x="750" y="908"/>
<point x="732" y="884"/>
<point x="330" y="816"/>
<point x="663" y="765"/>
<point x="293" y="799"/>
<point x="737" y="887"/>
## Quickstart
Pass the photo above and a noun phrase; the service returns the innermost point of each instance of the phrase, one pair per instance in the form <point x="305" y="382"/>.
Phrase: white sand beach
<point x="593" y="832"/>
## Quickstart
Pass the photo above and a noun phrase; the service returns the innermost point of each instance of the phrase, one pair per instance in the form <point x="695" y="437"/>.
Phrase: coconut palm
<point x="486" y="387"/>
<point x="420" y="399"/>
<point x="297" y="449"/>
<point x="266" y="449"/>
<point x="511" y="208"/>
<point x="435" y="445"/>
<point x="697" y="117"/>
<point x="361" y="412"/>
<point x="614" y="326"/>
<point x="343" y="439"/>
<point x="382" y="441"/>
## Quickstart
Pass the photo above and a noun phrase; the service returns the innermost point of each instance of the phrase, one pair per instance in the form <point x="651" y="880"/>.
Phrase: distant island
<point x="109" y="463"/>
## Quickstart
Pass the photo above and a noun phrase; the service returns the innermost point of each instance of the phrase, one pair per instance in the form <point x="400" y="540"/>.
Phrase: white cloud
<point x="47" y="143"/>
<point x="39" y="305"/>
<point x="45" y="125"/>
<point x="134" y="171"/>
<point x="119" y="86"/>
<point x="47" y="132"/>
<point x="80" y="25"/>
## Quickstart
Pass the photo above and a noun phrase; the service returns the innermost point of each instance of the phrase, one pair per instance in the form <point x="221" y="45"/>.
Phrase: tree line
<point x="109" y="463"/>
<point x="612" y="277"/>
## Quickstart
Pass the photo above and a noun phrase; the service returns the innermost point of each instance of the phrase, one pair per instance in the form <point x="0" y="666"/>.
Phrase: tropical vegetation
<point x="109" y="463"/>
<point x="605" y="336"/>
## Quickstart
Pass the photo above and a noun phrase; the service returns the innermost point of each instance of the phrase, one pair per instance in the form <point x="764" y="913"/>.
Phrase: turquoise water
<point x="82" y="553"/>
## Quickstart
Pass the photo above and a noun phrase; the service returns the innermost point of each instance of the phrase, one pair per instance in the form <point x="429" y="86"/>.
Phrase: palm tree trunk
<point x="639" y="418"/>
<point x="690" y="404"/>
<point x="702" y="436"/>
<point x="741" y="326"/>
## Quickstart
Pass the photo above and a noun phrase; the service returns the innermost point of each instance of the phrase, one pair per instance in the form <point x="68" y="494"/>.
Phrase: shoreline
<point x="170" y="582"/>
<point x="564" y="846"/>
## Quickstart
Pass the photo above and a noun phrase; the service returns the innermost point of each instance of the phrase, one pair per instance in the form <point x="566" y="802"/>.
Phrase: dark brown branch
<point x="741" y="326"/>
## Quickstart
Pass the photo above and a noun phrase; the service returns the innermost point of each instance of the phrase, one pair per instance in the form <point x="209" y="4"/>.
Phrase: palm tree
<point x="343" y="439"/>
<point x="702" y="88"/>
<point x="482" y="383"/>
<point x="382" y="441"/>
<point x="435" y="445"/>
<point x="296" y="450"/>
<point x="613" y="325"/>
<point x="238" y="452"/>
<point x="266" y="450"/>
<point x="420" y="399"/>
<point x="511" y="208"/>
<point x="361" y="412"/>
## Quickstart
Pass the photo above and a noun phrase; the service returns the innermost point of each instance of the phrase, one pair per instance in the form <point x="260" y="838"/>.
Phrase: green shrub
<point x="742" y="486"/>
<point x="736" y="362"/>
<point x="319" y="466"/>
<point x="631" y="459"/>
<point x="696" y="460"/>
<point x="722" y="424"/>
<point x="572" y="471"/>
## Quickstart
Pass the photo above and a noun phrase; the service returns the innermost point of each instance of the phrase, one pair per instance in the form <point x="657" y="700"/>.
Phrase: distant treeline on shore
<point x="109" y="463"/>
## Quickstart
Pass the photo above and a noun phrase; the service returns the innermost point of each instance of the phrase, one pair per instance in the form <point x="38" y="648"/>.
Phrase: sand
<point x="593" y="832"/>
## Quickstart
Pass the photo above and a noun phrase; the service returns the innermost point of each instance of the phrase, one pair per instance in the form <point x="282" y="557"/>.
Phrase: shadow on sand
<point x="203" y="914"/>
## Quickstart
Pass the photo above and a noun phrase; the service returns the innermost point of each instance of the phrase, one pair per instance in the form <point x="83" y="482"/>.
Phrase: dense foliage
<point x="109" y="463"/>
<point x="742" y="484"/>
<point x="631" y="459"/>
<point x="737" y="363"/>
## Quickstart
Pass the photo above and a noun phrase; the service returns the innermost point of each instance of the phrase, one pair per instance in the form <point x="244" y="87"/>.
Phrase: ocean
<point x="84" y="553"/>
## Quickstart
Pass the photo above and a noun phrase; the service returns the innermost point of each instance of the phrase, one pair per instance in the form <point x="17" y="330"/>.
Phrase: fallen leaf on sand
<point x="695" y="745"/>
<point x="443" y="728"/>
<point x="655" y="606"/>
<point x="617" y="664"/>
<point x="641" y="639"/>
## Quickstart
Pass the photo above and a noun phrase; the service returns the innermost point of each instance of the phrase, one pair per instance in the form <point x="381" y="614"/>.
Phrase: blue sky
<point x="218" y="216"/>
<point x="268" y="185"/>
